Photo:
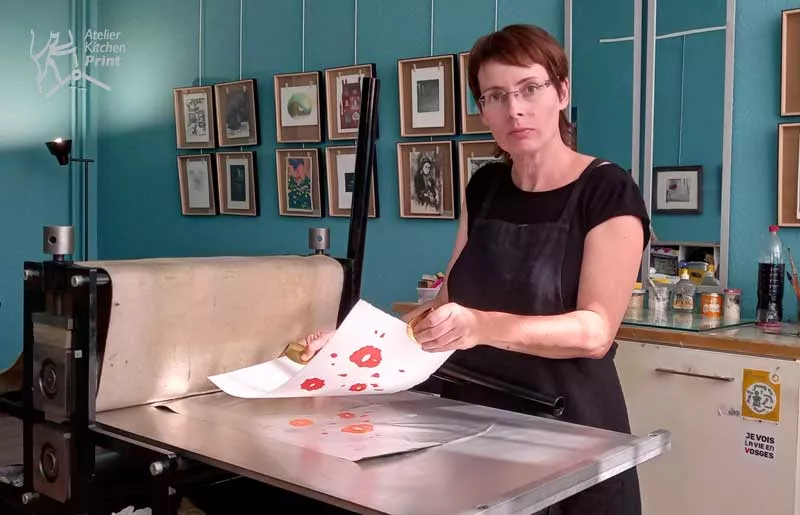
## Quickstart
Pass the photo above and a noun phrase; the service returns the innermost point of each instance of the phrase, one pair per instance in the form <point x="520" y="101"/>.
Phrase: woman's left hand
<point x="449" y="327"/>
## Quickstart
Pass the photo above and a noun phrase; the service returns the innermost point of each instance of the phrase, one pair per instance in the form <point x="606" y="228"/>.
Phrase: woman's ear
<point x="563" y="93"/>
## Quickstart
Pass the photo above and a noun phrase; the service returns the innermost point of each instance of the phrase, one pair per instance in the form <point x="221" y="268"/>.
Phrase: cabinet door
<point x="710" y="468"/>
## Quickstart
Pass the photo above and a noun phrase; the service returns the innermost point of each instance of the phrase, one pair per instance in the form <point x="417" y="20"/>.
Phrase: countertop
<point x="746" y="339"/>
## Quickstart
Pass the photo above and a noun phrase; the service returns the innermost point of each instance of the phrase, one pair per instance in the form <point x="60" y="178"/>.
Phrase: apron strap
<point x="493" y="186"/>
<point x="569" y="208"/>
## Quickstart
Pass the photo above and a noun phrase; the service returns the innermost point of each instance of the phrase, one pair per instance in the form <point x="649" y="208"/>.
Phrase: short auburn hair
<point x="523" y="45"/>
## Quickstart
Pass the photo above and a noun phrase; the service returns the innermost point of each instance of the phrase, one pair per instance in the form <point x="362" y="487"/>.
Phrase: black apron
<point x="518" y="269"/>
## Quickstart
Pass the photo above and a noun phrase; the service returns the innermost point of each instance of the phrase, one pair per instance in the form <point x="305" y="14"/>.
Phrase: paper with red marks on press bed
<point x="370" y="353"/>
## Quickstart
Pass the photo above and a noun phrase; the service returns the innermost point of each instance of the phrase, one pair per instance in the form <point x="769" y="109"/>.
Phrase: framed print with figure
<point x="194" y="117"/>
<point x="297" y="107"/>
<point x="343" y="91"/>
<point x="196" y="183"/>
<point x="425" y="176"/>
<point x="340" y="166"/>
<point x="678" y="189"/>
<point x="427" y="96"/>
<point x="238" y="185"/>
<point x="473" y="155"/>
<point x="237" y="118"/>
<point x="299" y="188"/>
<point x="789" y="174"/>
<point x="471" y="122"/>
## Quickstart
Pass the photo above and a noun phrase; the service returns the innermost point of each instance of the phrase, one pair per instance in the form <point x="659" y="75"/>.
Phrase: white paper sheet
<point x="370" y="353"/>
<point x="350" y="428"/>
<point x="367" y="431"/>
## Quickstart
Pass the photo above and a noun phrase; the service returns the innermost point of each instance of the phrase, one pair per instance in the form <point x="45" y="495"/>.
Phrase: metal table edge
<point x="643" y="449"/>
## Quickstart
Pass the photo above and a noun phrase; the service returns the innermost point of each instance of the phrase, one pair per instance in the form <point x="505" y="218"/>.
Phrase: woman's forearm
<point x="579" y="334"/>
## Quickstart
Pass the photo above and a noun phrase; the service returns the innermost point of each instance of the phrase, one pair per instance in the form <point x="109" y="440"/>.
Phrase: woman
<point x="547" y="252"/>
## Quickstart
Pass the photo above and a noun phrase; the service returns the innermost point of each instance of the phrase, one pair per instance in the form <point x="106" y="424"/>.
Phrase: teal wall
<point x="602" y="78"/>
<point x="34" y="190"/>
<point x="139" y="213"/>
<point x="756" y="115"/>
<point x="688" y="109"/>
<point x="138" y="190"/>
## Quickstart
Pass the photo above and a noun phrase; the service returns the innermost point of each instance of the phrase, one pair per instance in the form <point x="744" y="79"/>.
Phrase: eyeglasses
<point x="493" y="101"/>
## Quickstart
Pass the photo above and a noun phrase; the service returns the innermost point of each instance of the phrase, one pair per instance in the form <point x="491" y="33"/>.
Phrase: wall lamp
<point x="61" y="149"/>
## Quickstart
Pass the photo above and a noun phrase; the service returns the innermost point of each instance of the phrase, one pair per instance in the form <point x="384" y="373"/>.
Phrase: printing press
<point x="118" y="411"/>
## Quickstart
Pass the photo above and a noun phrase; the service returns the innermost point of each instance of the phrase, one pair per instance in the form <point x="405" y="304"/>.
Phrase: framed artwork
<point x="425" y="175"/>
<point x="299" y="189"/>
<point x="238" y="185"/>
<point x="678" y="189"/>
<point x="788" y="183"/>
<point x="297" y="107"/>
<point x="340" y="167"/>
<point x="343" y="91"/>
<point x="474" y="154"/>
<point x="194" y="117"/>
<point x="196" y="182"/>
<point x="427" y="96"/>
<point x="471" y="122"/>
<point x="790" y="62"/>
<point x="237" y="121"/>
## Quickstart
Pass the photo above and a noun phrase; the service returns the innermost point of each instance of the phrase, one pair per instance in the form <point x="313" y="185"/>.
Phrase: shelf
<point x="693" y="322"/>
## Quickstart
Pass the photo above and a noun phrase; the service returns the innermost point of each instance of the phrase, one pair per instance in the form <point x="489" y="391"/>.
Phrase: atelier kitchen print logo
<point x="57" y="63"/>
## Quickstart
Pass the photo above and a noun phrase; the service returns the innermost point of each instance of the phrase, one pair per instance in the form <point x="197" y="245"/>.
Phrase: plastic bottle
<point x="708" y="277"/>
<point x="683" y="294"/>
<point x="771" y="273"/>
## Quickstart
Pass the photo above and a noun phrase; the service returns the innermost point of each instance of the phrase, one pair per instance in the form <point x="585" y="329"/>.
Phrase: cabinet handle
<point x="695" y="374"/>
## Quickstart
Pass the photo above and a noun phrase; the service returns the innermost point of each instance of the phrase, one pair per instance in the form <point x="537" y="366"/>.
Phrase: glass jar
<point x="732" y="305"/>
<point x="636" y="303"/>
<point x="659" y="299"/>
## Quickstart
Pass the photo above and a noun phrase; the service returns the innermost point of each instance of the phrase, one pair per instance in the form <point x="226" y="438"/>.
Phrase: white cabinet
<point x="720" y="463"/>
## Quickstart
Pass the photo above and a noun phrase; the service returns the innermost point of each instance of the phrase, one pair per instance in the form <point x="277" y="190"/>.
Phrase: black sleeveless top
<point x="523" y="256"/>
<point x="609" y="191"/>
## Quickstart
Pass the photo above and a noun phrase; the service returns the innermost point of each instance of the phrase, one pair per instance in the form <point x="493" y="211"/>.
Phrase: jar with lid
<point x="636" y="302"/>
<point x="732" y="305"/>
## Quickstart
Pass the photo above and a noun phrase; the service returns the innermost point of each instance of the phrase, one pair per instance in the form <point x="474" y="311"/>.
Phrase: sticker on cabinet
<point x="761" y="395"/>
<point x="760" y="445"/>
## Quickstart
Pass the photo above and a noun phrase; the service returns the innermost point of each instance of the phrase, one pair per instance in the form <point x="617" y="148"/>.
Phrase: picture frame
<point x="427" y="96"/>
<point x="194" y="117"/>
<point x="299" y="187"/>
<point x="340" y="162"/>
<point x="343" y="92"/>
<point x="237" y="189"/>
<point x="788" y="176"/>
<point x="426" y="180"/>
<point x="237" y="113"/>
<point x="471" y="122"/>
<point x="298" y="111"/>
<point x="472" y="155"/>
<point x="196" y="184"/>
<point x="678" y="189"/>
<point x="790" y="62"/>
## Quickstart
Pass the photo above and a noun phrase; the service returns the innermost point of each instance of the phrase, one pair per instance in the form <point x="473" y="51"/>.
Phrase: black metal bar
<point x="551" y="404"/>
<point x="365" y="152"/>
<point x="33" y="300"/>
